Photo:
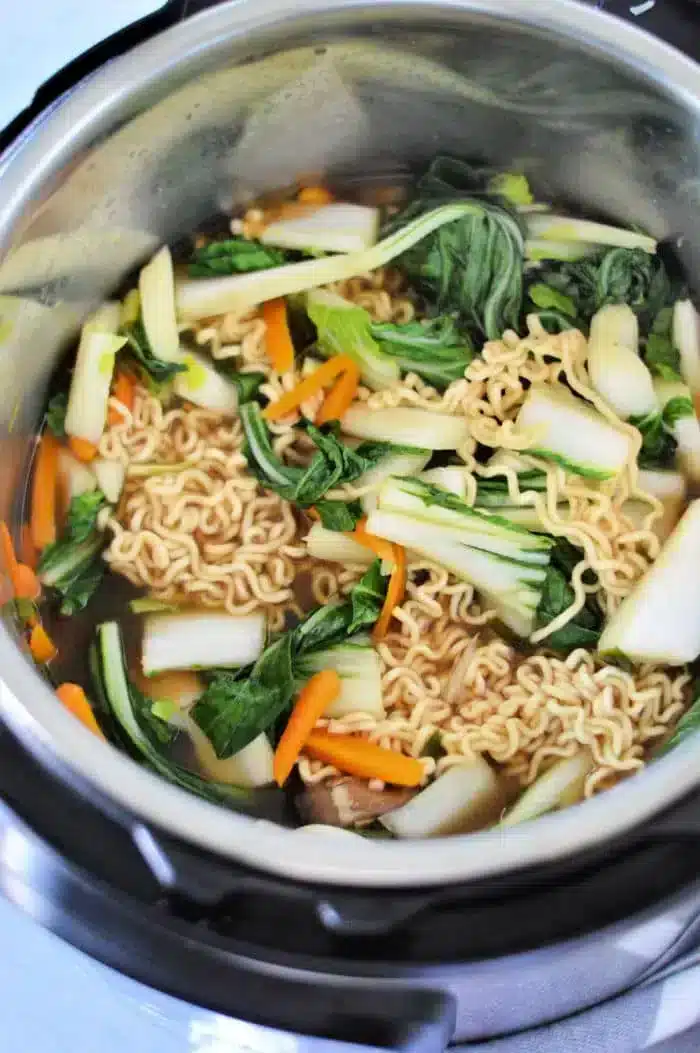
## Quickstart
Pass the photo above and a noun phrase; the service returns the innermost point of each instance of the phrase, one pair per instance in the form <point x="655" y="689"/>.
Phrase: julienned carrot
<point x="357" y="756"/>
<point x="41" y="645"/>
<point x="25" y="584"/>
<point x="83" y="450"/>
<point x="311" y="704"/>
<point x="338" y="399"/>
<point x="278" y="338"/>
<point x="311" y="385"/>
<point x="394" y="594"/>
<point x="379" y="545"/>
<point x="314" y="195"/>
<point x="122" y="390"/>
<point x="44" y="485"/>
<point x="28" y="551"/>
<point x="73" y="698"/>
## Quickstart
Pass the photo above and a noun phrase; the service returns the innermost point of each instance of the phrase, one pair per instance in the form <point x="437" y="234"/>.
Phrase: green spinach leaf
<point x="233" y="256"/>
<point x="56" y="414"/>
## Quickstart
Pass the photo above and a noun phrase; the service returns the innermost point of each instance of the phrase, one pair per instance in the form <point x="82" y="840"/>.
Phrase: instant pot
<point x="196" y="109"/>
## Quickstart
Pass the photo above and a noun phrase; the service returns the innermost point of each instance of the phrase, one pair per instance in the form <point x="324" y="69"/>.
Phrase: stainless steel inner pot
<point x="249" y="96"/>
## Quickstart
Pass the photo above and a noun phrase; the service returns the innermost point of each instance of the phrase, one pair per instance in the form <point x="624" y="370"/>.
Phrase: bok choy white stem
<point x="201" y="640"/>
<point x="561" y="786"/>
<point x="88" y="397"/>
<point x="406" y="426"/>
<point x="546" y="226"/>
<point x="338" y="227"/>
<point x="659" y="621"/>
<point x="617" y="372"/>
<point x="678" y="414"/>
<point x="157" y="292"/>
<point x="200" y="298"/>
<point x="466" y="797"/>
<point x="686" y="338"/>
<point x="572" y="433"/>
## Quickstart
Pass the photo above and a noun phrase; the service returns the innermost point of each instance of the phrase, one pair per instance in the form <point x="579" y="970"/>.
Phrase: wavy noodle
<point x="204" y="533"/>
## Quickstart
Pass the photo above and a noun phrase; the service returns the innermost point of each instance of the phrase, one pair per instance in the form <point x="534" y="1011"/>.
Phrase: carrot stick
<point x="74" y="699"/>
<point x="309" y="386"/>
<point x="394" y="594"/>
<point x="338" y="399"/>
<point x="382" y="548"/>
<point x="279" y="340"/>
<point x="83" y="450"/>
<point x="122" y="390"/>
<point x="29" y="554"/>
<point x="41" y="645"/>
<point x="43" y="517"/>
<point x="357" y="756"/>
<point x="25" y="584"/>
<point x="314" y="195"/>
<point x="311" y="704"/>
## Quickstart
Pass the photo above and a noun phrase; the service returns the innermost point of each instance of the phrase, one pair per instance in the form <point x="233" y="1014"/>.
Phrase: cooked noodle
<point x="206" y="533"/>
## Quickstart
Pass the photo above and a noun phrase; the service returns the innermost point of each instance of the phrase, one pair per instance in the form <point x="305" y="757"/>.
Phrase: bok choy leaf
<point x="435" y="350"/>
<point x="73" y="565"/>
<point x="233" y="256"/>
<point x="236" y="707"/>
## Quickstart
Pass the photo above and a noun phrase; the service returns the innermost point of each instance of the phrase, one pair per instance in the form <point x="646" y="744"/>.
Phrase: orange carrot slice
<point x="278" y="337"/>
<point x="357" y="756"/>
<point x="339" y="398"/>
<point x="41" y="645"/>
<point x="379" y="545"/>
<point x="123" y="390"/>
<point x="309" y="386"/>
<point x="29" y="554"/>
<point x="43" y="518"/>
<point x="394" y="594"/>
<point x="25" y="584"/>
<point x="314" y="195"/>
<point x="74" y="699"/>
<point x="85" y="451"/>
<point x="311" y="704"/>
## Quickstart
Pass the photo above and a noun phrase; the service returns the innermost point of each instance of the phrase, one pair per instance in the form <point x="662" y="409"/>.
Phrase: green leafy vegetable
<point x="513" y="187"/>
<point x="557" y="594"/>
<point x="662" y="358"/>
<point x="435" y="350"/>
<point x="343" y="328"/>
<point x="613" y="276"/>
<point x="56" y="414"/>
<point x="546" y="297"/>
<point x="233" y="256"/>
<point x="82" y="514"/>
<point x="333" y="464"/>
<point x="658" y="446"/>
<point x="129" y="718"/>
<point x="247" y="385"/>
<point x="236" y="707"/>
<point x="155" y="369"/>
<point x="676" y="409"/>
<point x="472" y="266"/>
<point x="688" y="725"/>
<point x="73" y="565"/>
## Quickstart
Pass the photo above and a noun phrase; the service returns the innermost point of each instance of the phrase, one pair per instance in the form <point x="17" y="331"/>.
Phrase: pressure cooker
<point x="194" y="110"/>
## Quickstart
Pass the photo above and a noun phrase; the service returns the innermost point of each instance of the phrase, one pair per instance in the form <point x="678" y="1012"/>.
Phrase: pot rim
<point x="42" y="724"/>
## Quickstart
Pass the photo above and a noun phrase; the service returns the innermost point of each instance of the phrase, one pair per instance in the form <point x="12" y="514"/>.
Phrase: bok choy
<point x="236" y="707"/>
<point x="337" y="227"/>
<point x="73" y="566"/>
<point x="201" y="640"/>
<point x="466" y="797"/>
<point x="406" y="425"/>
<point x="343" y="328"/>
<point x="436" y="350"/>
<point x="86" y="412"/>
<point x="129" y="712"/>
<point x="492" y="297"/>
<point x="617" y="372"/>
<point x="572" y="433"/>
<point x="357" y="664"/>
<point x="506" y="563"/>
<point x="659" y="621"/>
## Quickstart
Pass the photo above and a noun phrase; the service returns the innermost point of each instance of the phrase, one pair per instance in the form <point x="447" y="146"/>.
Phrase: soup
<point x="375" y="513"/>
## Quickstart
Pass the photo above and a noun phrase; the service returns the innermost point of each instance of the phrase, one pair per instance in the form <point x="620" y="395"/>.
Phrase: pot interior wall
<point x="212" y="114"/>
